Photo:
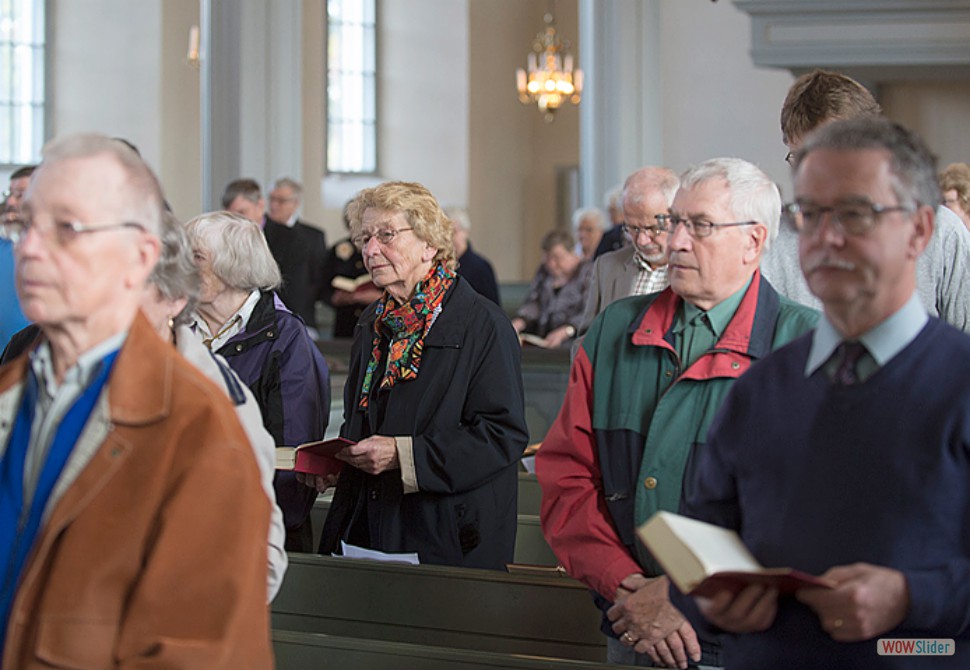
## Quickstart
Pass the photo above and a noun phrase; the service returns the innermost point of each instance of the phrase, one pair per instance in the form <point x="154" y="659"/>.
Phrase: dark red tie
<point x="847" y="374"/>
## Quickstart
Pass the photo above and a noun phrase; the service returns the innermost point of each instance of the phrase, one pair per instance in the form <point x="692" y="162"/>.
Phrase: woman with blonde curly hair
<point x="433" y="398"/>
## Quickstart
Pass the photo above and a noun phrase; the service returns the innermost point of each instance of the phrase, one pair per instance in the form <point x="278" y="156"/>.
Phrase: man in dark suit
<point x="299" y="249"/>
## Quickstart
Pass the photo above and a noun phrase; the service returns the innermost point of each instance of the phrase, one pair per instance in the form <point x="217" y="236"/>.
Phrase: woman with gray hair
<point x="240" y="317"/>
<point x="169" y="299"/>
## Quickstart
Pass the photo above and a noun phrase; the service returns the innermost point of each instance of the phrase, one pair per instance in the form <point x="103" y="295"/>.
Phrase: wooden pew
<point x="311" y="651"/>
<point x="530" y="545"/>
<point x="484" y="610"/>
<point x="530" y="495"/>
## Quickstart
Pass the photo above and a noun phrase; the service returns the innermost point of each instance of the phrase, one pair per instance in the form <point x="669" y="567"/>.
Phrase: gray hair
<point x="589" y="213"/>
<point x="247" y="188"/>
<point x="293" y="185"/>
<point x="637" y="186"/>
<point x="459" y="216"/>
<point x="754" y="196"/>
<point x="143" y="201"/>
<point x="241" y="258"/>
<point x="912" y="164"/>
<point x="176" y="275"/>
<point x="614" y="197"/>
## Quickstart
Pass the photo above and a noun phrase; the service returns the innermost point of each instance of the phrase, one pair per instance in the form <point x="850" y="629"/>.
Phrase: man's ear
<point x="924" y="225"/>
<point x="146" y="254"/>
<point x="755" y="242"/>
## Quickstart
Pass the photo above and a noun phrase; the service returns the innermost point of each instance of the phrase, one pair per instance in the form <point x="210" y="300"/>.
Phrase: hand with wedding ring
<point x="645" y="619"/>
<point x="867" y="601"/>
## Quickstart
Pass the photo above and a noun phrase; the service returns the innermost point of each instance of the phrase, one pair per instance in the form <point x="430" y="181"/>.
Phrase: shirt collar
<point x="643" y="264"/>
<point x="233" y="325"/>
<point x="718" y="316"/>
<point x="882" y="342"/>
<point x="79" y="374"/>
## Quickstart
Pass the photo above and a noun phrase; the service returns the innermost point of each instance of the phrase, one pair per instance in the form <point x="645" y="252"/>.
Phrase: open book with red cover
<point x="702" y="559"/>
<point x="314" y="458"/>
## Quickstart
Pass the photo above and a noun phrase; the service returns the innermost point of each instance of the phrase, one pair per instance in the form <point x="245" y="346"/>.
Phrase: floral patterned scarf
<point x="407" y="325"/>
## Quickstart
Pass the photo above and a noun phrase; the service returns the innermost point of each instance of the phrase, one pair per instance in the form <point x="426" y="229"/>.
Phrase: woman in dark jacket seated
<point x="433" y="398"/>
<point x="240" y="317"/>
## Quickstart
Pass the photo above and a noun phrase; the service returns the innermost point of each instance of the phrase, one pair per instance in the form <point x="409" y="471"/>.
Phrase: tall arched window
<point x="351" y="86"/>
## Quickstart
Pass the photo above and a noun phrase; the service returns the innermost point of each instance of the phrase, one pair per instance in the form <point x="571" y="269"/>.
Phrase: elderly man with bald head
<point x="133" y="521"/>
<point x="640" y="267"/>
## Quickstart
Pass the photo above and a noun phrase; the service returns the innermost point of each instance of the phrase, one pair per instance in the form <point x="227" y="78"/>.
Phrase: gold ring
<point x="838" y="623"/>
<point x="629" y="638"/>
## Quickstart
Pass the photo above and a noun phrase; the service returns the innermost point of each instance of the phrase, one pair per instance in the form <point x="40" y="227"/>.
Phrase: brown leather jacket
<point x="155" y="554"/>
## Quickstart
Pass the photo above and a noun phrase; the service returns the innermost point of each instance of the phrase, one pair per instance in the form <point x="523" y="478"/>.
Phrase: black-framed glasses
<point x="698" y="227"/>
<point x="856" y="218"/>
<point x="652" y="231"/>
<point x="61" y="233"/>
<point x="384" y="237"/>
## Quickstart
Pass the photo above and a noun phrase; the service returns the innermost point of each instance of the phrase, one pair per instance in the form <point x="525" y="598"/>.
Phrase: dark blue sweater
<point x="814" y="475"/>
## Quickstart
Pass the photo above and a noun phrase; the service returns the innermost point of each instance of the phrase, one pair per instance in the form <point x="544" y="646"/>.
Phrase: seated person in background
<point x="553" y="308"/>
<point x="955" y="186"/>
<point x="473" y="267"/>
<point x="588" y="224"/>
<point x="433" y="399"/>
<point x="241" y="317"/>
<point x="344" y="260"/>
<point x="613" y="238"/>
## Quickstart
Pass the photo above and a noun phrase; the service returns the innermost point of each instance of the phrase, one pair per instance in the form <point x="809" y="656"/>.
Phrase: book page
<point x="718" y="549"/>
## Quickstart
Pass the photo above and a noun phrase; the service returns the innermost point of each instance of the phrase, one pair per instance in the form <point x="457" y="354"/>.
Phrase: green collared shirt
<point x="697" y="331"/>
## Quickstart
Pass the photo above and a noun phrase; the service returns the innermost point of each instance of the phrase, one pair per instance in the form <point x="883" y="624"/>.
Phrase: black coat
<point x="465" y="412"/>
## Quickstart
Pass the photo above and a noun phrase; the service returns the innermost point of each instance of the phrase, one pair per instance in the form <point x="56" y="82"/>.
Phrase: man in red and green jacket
<point x="643" y="390"/>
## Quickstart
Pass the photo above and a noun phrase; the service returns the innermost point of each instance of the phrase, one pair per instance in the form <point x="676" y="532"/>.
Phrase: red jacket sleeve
<point x="575" y="520"/>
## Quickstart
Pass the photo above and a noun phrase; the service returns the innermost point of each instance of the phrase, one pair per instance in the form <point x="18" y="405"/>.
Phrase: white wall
<point x="423" y="97"/>
<point x="715" y="102"/>
<point x="106" y="70"/>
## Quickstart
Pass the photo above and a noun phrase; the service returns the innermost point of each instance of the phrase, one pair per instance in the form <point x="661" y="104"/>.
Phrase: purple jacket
<point x="282" y="366"/>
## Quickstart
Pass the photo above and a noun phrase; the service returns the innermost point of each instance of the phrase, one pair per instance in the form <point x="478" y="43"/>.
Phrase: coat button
<point x="735" y="365"/>
<point x="668" y="374"/>
<point x="650" y="483"/>
<point x="239" y="347"/>
<point x="373" y="495"/>
<point x="269" y="333"/>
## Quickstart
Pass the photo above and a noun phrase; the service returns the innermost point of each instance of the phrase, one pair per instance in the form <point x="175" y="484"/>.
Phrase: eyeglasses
<point x="789" y="157"/>
<point x="635" y="231"/>
<point x="62" y="233"/>
<point x="281" y="199"/>
<point x="384" y="237"/>
<point x="14" y="192"/>
<point x="698" y="227"/>
<point x="847" y="218"/>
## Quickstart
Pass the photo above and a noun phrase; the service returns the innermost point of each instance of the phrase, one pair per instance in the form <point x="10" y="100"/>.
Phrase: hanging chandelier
<point x="550" y="79"/>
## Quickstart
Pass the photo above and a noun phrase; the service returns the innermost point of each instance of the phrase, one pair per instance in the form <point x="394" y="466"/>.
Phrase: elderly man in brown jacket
<point x="132" y="518"/>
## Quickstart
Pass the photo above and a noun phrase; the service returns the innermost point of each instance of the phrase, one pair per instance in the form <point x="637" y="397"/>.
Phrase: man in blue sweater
<point x="847" y="453"/>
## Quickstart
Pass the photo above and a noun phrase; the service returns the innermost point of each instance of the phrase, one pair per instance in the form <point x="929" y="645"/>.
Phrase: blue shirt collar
<point x="882" y="342"/>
